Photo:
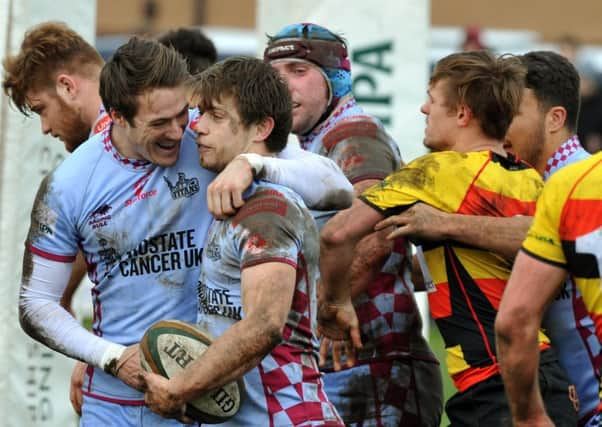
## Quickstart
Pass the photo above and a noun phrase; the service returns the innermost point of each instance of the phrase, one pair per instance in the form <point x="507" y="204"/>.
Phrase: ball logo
<point x="178" y="354"/>
<point x="223" y="400"/>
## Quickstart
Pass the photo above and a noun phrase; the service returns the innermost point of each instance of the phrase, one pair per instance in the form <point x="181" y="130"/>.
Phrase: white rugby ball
<point x="168" y="347"/>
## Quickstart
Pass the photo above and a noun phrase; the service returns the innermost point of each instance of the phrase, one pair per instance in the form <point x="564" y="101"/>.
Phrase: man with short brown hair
<point x="266" y="266"/>
<point x="133" y="199"/>
<point x="55" y="75"/>
<point x="472" y="98"/>
<point x="543" y="135"/>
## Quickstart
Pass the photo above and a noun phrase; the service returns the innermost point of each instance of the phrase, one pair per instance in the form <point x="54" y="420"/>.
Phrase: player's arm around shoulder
<point x="317" y="179"/>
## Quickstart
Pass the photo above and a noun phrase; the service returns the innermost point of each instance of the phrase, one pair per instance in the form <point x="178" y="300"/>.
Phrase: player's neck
<point x="91" y="109"/>
<point x="259" y="148"/>
<point x="472" y="142"/>
<point x="120" y="141"/>
<point x="552" y="143"/>
<point x="90" y="100"/>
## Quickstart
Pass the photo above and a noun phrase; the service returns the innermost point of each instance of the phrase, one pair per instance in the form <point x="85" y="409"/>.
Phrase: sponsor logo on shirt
<point x="103" y="122"/>
<point x="100" y="217"/>
<point x="139" y="193"/>
<point x="218" y="302"/>
<point x="166" y="252"/>
<point x="108" y="255"/>
<point x="184" y="187"/>
<point x="213" y="252"/>
<point x="45" y="229"/>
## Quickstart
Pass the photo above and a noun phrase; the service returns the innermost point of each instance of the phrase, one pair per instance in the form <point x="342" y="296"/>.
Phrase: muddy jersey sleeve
<point x="362" y="150"/>
<point x="438" y="179"/>
<point x="269" y="228"/>
<point x="317" y="179"/>
<point x="52" y="232"/>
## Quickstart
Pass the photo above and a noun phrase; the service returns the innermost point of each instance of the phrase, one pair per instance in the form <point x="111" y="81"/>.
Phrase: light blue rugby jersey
<point x="285" y="389"/>
<point x="141" y="228"/>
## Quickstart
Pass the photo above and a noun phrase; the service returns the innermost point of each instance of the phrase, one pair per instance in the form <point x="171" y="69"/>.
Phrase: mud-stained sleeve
<point x="268" y="229"/>
<point x="52" y="232"/>
<point x="362" y="150"/>
<point x="438" y="179"/>
<point x="316" y="178"/>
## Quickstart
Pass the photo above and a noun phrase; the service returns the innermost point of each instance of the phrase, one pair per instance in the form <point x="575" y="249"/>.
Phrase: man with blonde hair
<point x="55" y="75"/>
<point x="472" y="98"/>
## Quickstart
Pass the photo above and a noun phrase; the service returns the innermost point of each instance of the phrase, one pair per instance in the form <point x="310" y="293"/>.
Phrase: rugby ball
<point x="168" y="347"/>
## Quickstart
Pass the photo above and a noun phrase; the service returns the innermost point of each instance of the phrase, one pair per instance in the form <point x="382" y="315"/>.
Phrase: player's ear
<point x="264" y="128"/>
<point x="66" y="86"/>
<point x="117" y="117"/>
<point x="463" y="115"/>
<point x="555" y="118"/>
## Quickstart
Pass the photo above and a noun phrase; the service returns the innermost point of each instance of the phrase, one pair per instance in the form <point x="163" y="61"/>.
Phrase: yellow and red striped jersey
<point x="567" y="229"/>
<point x="468" y="282"/>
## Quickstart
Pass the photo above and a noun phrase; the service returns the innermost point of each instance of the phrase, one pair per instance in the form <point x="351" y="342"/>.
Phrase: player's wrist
<point x="255" y="161"/>
<point x="110" y="358"/>
<point x="335" y="295"/>
<point x="450" y="227"/>
<point x="179" y="388"/>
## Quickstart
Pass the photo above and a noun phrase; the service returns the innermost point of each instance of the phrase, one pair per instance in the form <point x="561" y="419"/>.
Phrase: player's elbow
<point x="270" y="330"/>
<point x="273" y="333"/>
<point x="26" y="317"/>
<point x="332" y="235"/>
<point x="510" y="325"/>
<point x="503" y="329"/>
<point x="337" y="198"/>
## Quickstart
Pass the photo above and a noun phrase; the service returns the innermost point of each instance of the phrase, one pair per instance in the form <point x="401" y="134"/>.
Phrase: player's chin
<point x="166" y="153"/>
<point x="164" y="163"/>
<point x="70" y="145"/>
<point x="165" y="159"/>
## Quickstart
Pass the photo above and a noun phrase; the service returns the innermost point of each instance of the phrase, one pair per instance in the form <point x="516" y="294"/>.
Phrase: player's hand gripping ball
<point x="168" y="347"/>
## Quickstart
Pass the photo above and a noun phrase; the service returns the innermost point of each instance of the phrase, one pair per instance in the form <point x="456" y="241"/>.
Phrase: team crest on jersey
<point x="183" y="187"/>
<point x="100" y="217"/>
